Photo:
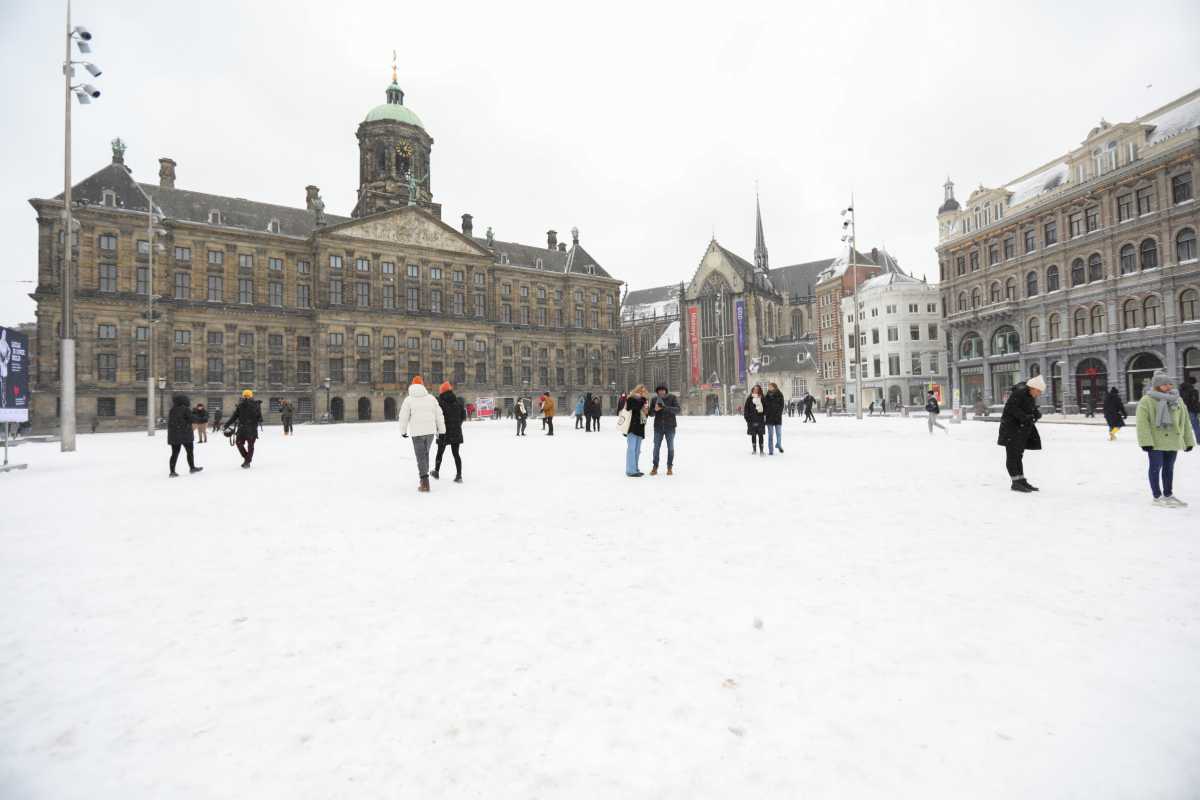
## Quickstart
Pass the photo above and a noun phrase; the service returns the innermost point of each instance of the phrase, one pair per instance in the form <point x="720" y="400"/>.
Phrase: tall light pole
<point x="84" y="92"/>
<point x="151" y="229"/>
<point x="852" y="264"/>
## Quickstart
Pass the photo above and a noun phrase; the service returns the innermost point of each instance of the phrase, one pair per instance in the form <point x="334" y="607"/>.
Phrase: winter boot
<point x="173" y="474"/>
<point x="654" y="470"/>
<point x="670" y="470"/>
<point x="1019" y="485"/>
<point x="780" y="449"/>
<point x="1029" y="485"/>
<point x="424" y="485"/>
<point x="458" y="478"/>
<point x="194" y="470"/>
<point x="435" y="475"/>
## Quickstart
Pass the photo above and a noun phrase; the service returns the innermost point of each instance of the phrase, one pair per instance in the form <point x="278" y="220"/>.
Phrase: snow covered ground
<point x="872" y="615"/>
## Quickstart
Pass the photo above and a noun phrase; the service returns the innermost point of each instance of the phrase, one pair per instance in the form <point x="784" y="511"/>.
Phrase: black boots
<point x="1022" y="485"/>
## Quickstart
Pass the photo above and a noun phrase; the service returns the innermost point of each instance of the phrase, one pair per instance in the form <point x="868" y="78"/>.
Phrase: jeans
<point x="175" y="455"/>
<point x="421" y="448"/>
<point x="245" y="446"/>
<point x="521" y="422"/>
<point x="933" y="420"/>
<point x="441" y="449"/>
<point x="633" y="449"/>
<point x="776" y="440"/>
<point x="201" y="429"/>
<point x="549" y="423"/>
<point x="1195" y="418"/>
<point x="658" y="440"/>
<point x="578" y="421"/>
<point x="1162" y="461"/>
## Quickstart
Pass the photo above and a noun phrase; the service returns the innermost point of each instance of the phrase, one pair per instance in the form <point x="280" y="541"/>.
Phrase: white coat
<point x="420" y="414"/>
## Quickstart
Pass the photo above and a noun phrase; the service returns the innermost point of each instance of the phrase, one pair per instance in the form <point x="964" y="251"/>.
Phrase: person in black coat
<point x="179" y="433"/>
<point x="755" y="415"/>
<point x="773" y="417"/>
<point x="595" y="412"/>
<point x="200" y="422"/>
<point x="247" y="417"/>
<point x="664" y="407"/>
<point x="636" y="404"/>
<point x="809" y="401"/>
<point x="1114" y="412"/>
<point x="1018" y="429"/>
<point x="932" y="409"/>
<point x="455" y="413"/>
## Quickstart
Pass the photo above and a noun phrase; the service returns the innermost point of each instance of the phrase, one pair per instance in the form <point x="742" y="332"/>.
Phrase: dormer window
<point x="214" y="217"/>
<point x="273" y="226"/>
<point x="108" y="198"/>
<point x="504" y="258"/>
<point x="538" y="264"/>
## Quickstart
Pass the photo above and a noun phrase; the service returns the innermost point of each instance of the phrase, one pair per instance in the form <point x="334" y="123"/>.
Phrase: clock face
<point x="404" y="154"/>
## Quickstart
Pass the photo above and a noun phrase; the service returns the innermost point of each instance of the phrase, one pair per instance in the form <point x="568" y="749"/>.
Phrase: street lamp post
<point x="853" y="265"/>
<point x="151" y="230"/>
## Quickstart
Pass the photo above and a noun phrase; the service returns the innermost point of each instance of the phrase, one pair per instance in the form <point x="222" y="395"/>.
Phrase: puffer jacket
<point x="179" y="421"/>
<point x="773" y="407"/>
<point x="548" y="406"/>
<point x="453" y="415"/>
<point x="420" y="414"/>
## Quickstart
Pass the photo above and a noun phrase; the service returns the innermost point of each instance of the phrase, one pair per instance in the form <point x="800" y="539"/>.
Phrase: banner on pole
<point x="14" y="375"/>
<point x="740" y="313"/>
<point x="693" y="325"/>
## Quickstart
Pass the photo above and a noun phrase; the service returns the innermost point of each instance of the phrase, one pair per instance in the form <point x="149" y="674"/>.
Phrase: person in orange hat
<point x="421" y="419"/>
<point x="454" y="414"/>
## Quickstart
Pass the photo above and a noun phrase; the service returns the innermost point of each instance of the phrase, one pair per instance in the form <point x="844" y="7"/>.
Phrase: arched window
<point x="971" y="345"/>
<point x="1077" y="272"/>
<point x="1098" y="319"/>
<point x="1095" y="268"/>
<point x="1052" y="278"/>
<point x="1005" y="341"/>
<point x="381" y="158"/>
<point x="1187" y="305"/>
<point x="1053" y="328"/>
<point x="1131" y="313"/>
<point x="1035" y="330"/>
<point x="1150" y="310"/>
<point x="797" y="323"/>
<point x="1149" y="254"/>
<point x="975" y="297"/>
<point x="994" y="292"/>
<point x="1010" y="289"/>
<point x="1031" y="287"/>
<point x="1141" y="369"/>
<point x="1185" y="245"/>
<point x="1128" y="259"/>
<point x="1081" y="321"/>
<point x="962" y="301"/>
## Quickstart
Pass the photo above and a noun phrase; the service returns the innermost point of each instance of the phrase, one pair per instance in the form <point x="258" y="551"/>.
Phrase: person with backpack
<point x="285" y="416"/>
<point x="636" y="411"/>
<point x="200" y="422"/>
<point x="247" y="417"/>
<point x="932" y="408"/>
<point x="180" y="434"/>
<point x="809" y="402"/>
<point x="454" y="414"/>
<point x="421" y="419"/>
<point x="773" y="417"/>
<point x="755" y="416"/>
<point x="1018" y="429"/>
<point x="664" y="407"/>
<point x="1163" y="430"/>
<point x="1114" y="413"/>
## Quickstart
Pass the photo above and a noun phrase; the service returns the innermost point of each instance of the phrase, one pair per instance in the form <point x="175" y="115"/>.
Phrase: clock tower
<point x="393" y="158"/>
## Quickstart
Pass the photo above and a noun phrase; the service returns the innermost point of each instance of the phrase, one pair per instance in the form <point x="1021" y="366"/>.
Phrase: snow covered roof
<point x="1174" y="120"/>
<point x="660" y="301"/>
<point x="669" y="338"/>
<point x="886" y="279"/>
<point x="1037" y="183"/>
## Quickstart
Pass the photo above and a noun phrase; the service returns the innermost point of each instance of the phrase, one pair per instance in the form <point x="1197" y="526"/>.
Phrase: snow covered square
<point x="871" y="614"/>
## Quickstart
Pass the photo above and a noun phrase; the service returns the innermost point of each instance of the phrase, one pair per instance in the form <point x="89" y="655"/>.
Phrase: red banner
<point x="694" y="343"/>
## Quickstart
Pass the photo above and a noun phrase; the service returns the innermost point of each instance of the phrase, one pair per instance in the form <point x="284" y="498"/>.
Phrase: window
<point x="389" y="371"/>
<point x="506" y="313"/>
<point x="183" y="254"/>
<point x="337" y="339"/>
<point x="1077" y="272"/>
<point x="143" y="247"/>
<point x="1030" y="241"/>
<point x="303" y="296"/>
<point x="1185" y="245"/>
<point x="994" y="292"/>
<point x="245" y="261"/>
<point x="1005" y="341"/>
<point x="932" y="331"/>
<point x="1144" y="201"/>
<point x="1010" y="248"/>
<point x="1097" y="319"/>
<point x="933" y="363"/>
<point x="335" y="262"/>
<point x="1095" y="268"/>
<point x="1188" y="305"/>
<point x="389" y="296"/>
<point x="435" y="301"/>
<point x="108" y="277"/>
<point x="362" y="294"/>
<point x="275" y="264"/>
<point x="303" y="268"/>
<point x="435" y="273"/>
<point x="303" y="372"/>
<point x="457" y="304"/>
<point x="874" y="336"/>
<point x="183" y="285"/>
<point x="141" y="333"/>
<point x="303" y="344"/>
<point x="214" y="217"/>
<point x="106" y="406"/>
<point x="275" y="293"/>
<point x="1052" y="278"/>
<point x="275" y="371"/>
<point x="1124" y="207"/>
<point x="1181" y="187"/>
<point x="245" y="290"/>
<point x="1031" y="284"/>
<point x="389" y="342"/>
<point x="363" y="340"/>
<point x="893" y="333"/>
<point x="1081" y="322"/>
<point x="1091" y="219"/>
<point x="106" y="366"/>
<point x="141" y="369"/>
<point x="478" y="278"/>
<point x="975" y="297"/>
<point x="1128" y="259"/>
<point x="216" y="338"/>
<point x="916" y="363"/>
<point x="216" y="288"/>
<point x="414" y="367"/>
<point x="1053" y="327"/>
<point x="414" y="343"/>
<point x="108" y="242"/>
<point x="362" y="370"/>
<point x="337" y="370"/>
<point x="413" y="298"/>
<point x="960" y="266"/>
<point x="1075" y="224"/>
<point x="974" y="257"/>
<point x="1130" y="314"/>
<point x="387" y="268"/>
<point x="971" y="346"/>
<point x="216" y="258"/>
<point x="414" y="271"/>
<point x="335" y="291"/>
<point x="362" y="264"/>
<point x="216" y="370"/>
<point x="914" y="332"/>
<point x="183" y="370"/>
<point x="245" y="339"/>
<point x="142" y="280"/>
<point x="1050" y="232"/>
<point x="1150" y="310"/>
<point x="1035" y="330"/>
<point x="1149" y="254"/>
<point x="525" y="292"/>
<point x="183" y="337"/>
<point x="435" y="345"/>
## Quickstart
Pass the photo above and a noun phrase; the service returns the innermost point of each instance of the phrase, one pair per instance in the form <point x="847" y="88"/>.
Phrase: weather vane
<point x="395" y="79"/>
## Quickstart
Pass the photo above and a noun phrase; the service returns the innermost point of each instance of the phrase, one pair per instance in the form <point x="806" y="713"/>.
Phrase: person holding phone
<point x="664" y="407"/>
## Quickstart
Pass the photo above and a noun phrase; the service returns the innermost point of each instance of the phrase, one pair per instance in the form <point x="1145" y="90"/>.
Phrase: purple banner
<point x="740" y="313"/>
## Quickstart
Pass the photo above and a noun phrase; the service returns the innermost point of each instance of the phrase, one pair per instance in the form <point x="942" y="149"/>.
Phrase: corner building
<point x="334" y="314"/>
<point x="1084" y="270"/>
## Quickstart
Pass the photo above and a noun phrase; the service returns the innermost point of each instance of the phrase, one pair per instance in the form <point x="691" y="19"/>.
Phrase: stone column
<point x="987" y="378"/>
<point x="1068" y="382"/>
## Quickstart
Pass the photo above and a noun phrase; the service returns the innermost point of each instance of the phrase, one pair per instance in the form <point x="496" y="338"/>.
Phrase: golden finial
<point x="395" y="79"/>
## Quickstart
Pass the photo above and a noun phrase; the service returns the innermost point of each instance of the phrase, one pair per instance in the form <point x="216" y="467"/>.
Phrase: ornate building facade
<point x="334" y="314"/>
<point x="1084" y="270"/>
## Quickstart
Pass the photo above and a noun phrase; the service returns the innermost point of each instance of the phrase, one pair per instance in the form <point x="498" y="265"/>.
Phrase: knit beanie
<point x="1037" y="382"/>
<point x="1159" y="379"/>
<point x="417" y="381"/>
<point x="445" y="387"/>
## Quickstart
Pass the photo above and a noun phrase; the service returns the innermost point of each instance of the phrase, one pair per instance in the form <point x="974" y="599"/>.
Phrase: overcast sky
<point x="644" y="124"/>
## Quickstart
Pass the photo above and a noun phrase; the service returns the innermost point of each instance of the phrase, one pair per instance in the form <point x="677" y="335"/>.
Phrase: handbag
<point x="624" y="419"/>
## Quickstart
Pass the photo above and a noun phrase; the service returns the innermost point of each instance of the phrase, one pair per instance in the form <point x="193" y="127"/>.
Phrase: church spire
<point x="760" y="241"/>
<point x="395" y="95"/>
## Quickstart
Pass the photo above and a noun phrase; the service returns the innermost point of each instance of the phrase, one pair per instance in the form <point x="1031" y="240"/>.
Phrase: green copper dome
<point x="394" y="109"/>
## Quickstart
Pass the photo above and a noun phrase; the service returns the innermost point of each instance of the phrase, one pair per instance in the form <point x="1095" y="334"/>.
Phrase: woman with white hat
<point x="1163" y="430"/>
<point x="1018" y="429"/>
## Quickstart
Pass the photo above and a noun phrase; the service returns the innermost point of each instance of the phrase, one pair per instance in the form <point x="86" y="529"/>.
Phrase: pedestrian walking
<point x="664" y="407"/>
<point x="200" y="422"/>
<point x="420" y="420"/>
<point x="180" y="433"/>
<point x="883" y="407"/>
<point x="216" y="421"/>
<point x="548" y="409"/>
<point x="634" y="428"/>
<point x="587" y="413"/>
<point x="579" y="409"/>
<point x="753" y="412"/>
<point x="454" y="413"/>
<point x="773" y="417"/>
<point x="1191" y="401"/>
<point x="596" y="413"/>
<point x="244" y="422"/>
<point x="932" y="408"/>
<point x="871" y="409"/>
<point x="809" y="402"/>
<point x="1114" y="413"/>
<point x="285" y="416"/>
<point x="1163" y="430"/>
<point x="1018" y="429"/>
<point x="522" y="415"/>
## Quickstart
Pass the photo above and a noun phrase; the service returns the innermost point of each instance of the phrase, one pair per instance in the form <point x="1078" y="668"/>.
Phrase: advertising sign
<point x="740" y="313"/>
<point x="485" y="406"/>
<point x="936" y="388"/>
<point x="693" y="325"/>
<point x="14" y="376"/>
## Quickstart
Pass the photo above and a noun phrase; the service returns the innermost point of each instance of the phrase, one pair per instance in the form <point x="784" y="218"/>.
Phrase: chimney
<point x="562" y="247"/>
<point x="575" y="236"/>
<point x="468" y="225"/>
<point x="166" y="173"/>
<point x="311" y="193"/>
<point x="551" y="240"/>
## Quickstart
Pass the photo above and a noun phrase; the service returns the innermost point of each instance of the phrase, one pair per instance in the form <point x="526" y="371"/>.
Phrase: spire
<point x="760" y="241"/>
<point x="395" y="95"/>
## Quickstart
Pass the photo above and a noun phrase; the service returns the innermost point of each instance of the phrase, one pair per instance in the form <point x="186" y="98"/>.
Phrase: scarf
<point x="1167" y="401"/>
<point x="758" y="404"/>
